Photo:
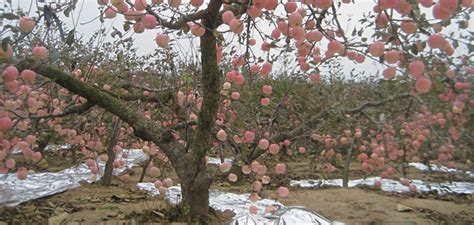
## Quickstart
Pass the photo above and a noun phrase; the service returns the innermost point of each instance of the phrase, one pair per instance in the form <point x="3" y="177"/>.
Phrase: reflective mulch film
<point x="240" y="203"/>
<point x="14" y="191"/>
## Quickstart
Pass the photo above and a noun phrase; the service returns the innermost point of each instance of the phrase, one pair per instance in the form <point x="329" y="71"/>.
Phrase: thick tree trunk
<point x="192" y="171"/>
<point x="196" y="197"/>
<point x="195" y="182"/>
<point x="109" y="167"/>
<point x="195" y="191"/>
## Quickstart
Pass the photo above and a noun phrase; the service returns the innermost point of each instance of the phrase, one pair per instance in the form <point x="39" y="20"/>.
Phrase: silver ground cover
<point x="439" y="168"/>
<point x="240" y="203"/>
<point x="389" y="185"/>
<point x="37" y="185"/>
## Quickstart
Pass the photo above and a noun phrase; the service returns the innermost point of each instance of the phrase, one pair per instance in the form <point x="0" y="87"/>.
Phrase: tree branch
<point x="143" y="128"/>
<point x="180" y="22"/>
<point x="375" y="104"/>
<point x="76" y="109"/>
<point x="303" y="127"/>
<point x="155" y="90"/>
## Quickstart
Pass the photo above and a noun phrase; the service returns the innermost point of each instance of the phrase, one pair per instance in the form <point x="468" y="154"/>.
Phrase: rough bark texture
<point x="195" y="180"/>
<point x="109" y="165"/>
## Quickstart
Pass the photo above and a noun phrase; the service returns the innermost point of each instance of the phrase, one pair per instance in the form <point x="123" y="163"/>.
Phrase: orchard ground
<point x="123" y="203"/>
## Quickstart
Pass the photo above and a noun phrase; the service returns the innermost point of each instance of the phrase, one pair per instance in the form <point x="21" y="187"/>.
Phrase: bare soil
<point x="363" y="206"/>
<point x="123" y="203"/>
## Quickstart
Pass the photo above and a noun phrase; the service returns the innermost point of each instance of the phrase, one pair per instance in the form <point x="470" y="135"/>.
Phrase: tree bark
<point x="195" y="184"/>
<point x="347" y="163"/>
<point x="109" y="165"/>
<point x="145" y="168"/>
<point x="195" y="180"/>
<point x="196" y="197"/>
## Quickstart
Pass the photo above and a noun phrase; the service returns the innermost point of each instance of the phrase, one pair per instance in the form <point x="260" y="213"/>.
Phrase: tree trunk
<point x="191" y="168"/>
<point x="73" y="154"/>
<point x="347" y="163"/>
<point x="43" y="142"/>
<point x="404" y="162"/>
<point x="145" y="168"/>
<point x="195" y="182"/>
<point x="109" y="165"/>
<point x="195" y="191"/>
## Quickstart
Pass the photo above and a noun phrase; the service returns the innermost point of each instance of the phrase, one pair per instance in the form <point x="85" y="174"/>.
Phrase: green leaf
<point x="470" y="48"/>
<point x="67" y="12"/>
<point x="5" y="43"/>
<point x="13" y="29"/>
<point x="10" y="16"/>
<point x="116" y="32"/>
<point x="455" y="44"/>
<point x="414" y="49"/>
<point x="70" y="37"/>
<point x="126" y="27"/>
